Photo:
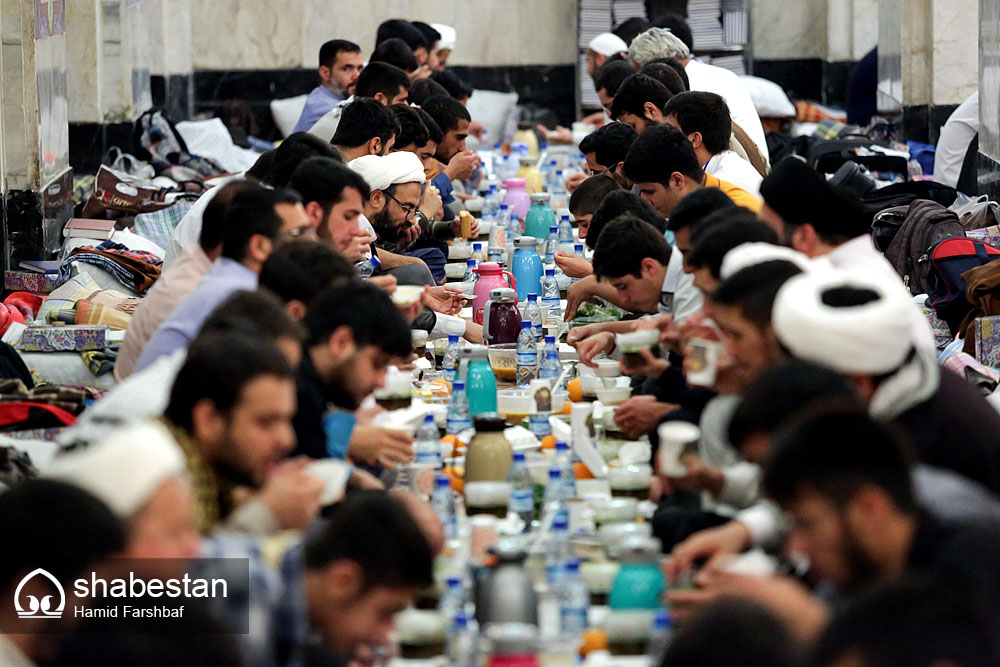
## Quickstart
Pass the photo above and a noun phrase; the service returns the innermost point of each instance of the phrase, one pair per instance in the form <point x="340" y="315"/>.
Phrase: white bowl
<point x="474" y="205"/>
<point x="455" y="270"/>
<point x="460" y="251"/>
<point x="487" y="494"/>
<point x="405" y="296"/>
<point x="607" y="368"/>
<point x="614" y="395"/>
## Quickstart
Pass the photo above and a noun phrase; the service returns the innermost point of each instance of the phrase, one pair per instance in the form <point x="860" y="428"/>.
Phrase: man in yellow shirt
<point x="665" y="168"/>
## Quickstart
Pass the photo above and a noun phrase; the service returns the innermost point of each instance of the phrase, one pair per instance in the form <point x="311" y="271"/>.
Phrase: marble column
<point x="38" y="181"/>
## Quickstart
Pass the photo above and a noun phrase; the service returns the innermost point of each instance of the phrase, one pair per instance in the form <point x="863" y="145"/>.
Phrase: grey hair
<point x="656" y="43"/>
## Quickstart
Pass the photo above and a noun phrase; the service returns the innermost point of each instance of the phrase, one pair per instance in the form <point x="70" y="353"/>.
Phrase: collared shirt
<point x="442" y="183"/>
<point x="678" y="295"/>
<point x="163" y="297"/>
<point x="180" y="328"/>
<point x="327" y="125"/>
<point x="738" y="195"/>
<point x="726" y="84"/>
<point x="320" y="101"/>
<point x="188" y="230"/>
<point x="730" y="167"/>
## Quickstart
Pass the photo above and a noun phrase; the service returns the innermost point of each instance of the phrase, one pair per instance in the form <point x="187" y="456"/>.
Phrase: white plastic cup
<point x="675" y="438"/>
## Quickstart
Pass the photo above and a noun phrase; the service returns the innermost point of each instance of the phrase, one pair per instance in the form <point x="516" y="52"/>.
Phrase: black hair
<point x="292" y="151"/>
<point x="695" y="208"/>
<point x="330" y="50"/>
<point x="710" y="244"/>
<point x="381" y="78"/>
<point x="624" y="243"/>
<point x="450" y="82"/>
<point x="55" y="526"/>
<point x="912" y="621"/>
<point x="801" y="195"/>
<point x="631" y="28"/>
<point x="323" y="181"/>
<point x="703" y="112"/>
<point x="733" y="633"/>
<point x="635" y="91"/>
<point x="660" y="151"/>
<point x="362" y="120"/>
<point x="218" y="366"/>
<point x="261" y="169"/>
<point x="412" y="131"/>
<point x="589" y="194"/>
<point x="255" y="313"/>
<point x="250" y="213"/>
<point x="367" y="310"/>
<point x="446" y="112"/>
<point x="302" y="270"/>
<point x="378" y="533"/>
<point x="675" y="65"/>
<point x="609" y="143"/>
<point x="395" y="52"/>
<point x="431" y="36"/>
<point x="676" y="24"/>
<point x="434" y="132"/>
<point x="213" y="220"/>
<point x="753" y="289"/>
<point x="666" y="75"/>
<point x="404" y="30"/>
<point x="618" y="203"/>
<point x="782" y="393"/>
<point x="835" y="453"/>
<point x="424" y="89"/>
<point x="611" y="75"/>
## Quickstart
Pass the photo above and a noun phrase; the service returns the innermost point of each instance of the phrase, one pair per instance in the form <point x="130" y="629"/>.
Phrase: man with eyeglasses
<point x="605" y="149"/>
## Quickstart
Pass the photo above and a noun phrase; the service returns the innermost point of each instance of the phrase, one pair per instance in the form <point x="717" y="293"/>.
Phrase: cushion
<point x="768" y="97"/>
<point x="286" y="112"/>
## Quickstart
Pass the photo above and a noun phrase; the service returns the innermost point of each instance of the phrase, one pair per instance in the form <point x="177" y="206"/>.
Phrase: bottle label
<point x="522" y="500"/>
<point x="573" y="620"/>
<point x="539" y="424"/>
<point x="429" y="457"/>
<point x="527" y="364"/>
<point x="458" y="424"/>
<point x="450" y="374"/>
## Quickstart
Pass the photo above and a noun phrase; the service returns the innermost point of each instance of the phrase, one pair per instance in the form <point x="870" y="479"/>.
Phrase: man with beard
<point x="340" y="64"/>
<point x="354" y="331"/>
<point x="230" y="410"/>
<point x="332" y="195"/>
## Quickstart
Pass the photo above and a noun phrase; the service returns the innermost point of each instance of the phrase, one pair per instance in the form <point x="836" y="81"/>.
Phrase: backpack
<point x="926" y="223"/>
<point x="946" y="262"/>
<point x="158" y="142"/>
<point x="904" y="194"/>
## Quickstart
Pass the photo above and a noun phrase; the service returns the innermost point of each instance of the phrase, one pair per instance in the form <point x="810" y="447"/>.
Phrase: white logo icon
<point x="39" y="608"/>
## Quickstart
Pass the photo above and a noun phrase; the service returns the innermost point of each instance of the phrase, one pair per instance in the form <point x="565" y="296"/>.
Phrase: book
<point x="40" y="266"/>
<point x="89" y="228"/>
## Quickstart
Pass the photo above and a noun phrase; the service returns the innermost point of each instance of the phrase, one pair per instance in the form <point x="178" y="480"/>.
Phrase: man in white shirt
<point x="956" y="135"/>
<point x="704" y="118"/>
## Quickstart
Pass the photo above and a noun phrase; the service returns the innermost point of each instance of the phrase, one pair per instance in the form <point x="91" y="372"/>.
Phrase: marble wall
<point x="989" y="79"/>
<point x="833" y="30"/>
<point x="281" y="34"/>
<point x="955" y="52"/>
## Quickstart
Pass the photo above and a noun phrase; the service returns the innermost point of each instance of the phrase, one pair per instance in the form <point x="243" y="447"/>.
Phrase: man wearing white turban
<point x="860" y="326"/>
<point x="397" y="184"/>
<point x="601" y="48"/>
<point x="444" y="46"/>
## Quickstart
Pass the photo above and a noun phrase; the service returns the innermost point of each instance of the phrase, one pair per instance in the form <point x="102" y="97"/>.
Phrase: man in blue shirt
<point x="257" y="219"/>
<point x="453" y="119"/>
<point x="340" y="64"/>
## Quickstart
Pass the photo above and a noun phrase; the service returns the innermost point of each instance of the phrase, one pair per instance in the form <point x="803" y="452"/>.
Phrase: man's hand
<point x="292" y="494"/>
<point x="638" y="415"/>
<point x="373" y="445"/>
<point x="362" y="479"/>
<point x="713" y="545"/>
<point x="574" y="181"/>
<point x="432" y="206"/>
<point x="476" y="129"/>
<point x="387" y="283"/>
<point x="653" y="368"/>
<point x="358" y="246"/>
<point x="443" y="299"/>
<point x="577" y="293"/>
<point x="461" y="166"/>
<point x="573" y="266"/>
<point x="456" y="228"/>
<point x="701" y="476"/>
<point x="560" y="135"/>
<point x="588" y="348"/>
<point x="596" y="119"/>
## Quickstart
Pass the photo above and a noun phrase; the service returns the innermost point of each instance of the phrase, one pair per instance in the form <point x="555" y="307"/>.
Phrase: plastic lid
<point x="525" y="324"/>
<point x="532" y="297"/>
<point x="573" y="565"/>
<point x="375" y="261"/>
<point x="470" y="262"/>
<point x="550" y="272"/>
<point x="515" y="183"/>
<point x="452" y="338"/>
<point x="453" y="580"/>
<point x="461" y="620"/>
<point x="540" y="198"/>
<point x="561" y="522"/>
<point x="503" y="207"/>
<point x="442" y="481"/>
<point x="428" y="418"/>
<point x="550" y="340"/>
<point x="477" y="246"/>
<point x="518" y="457"/>
<point x="553" y="229"/>
<point x="551" y="161"/>
<point x="561" y="445"/>
<point x="555" y="473"/>
<point x="458" y="385"/>
<point x="565" y="217"/>
<point x="477" y="353"/>
<point x="558" y="171"/>
<point x="525" y="242"/>
<point x="578" y="246"/>
<point x="662" y="619"/>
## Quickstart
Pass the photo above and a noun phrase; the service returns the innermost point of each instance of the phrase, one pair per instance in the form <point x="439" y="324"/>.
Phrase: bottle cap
<point x="565" y="217"/>
<point x="452" y="338"/>
<point x="442" y="481"/>
<point x="550" y="340"/>
<point x="503" y="207"/>
<point x="555" y="473"/>
<point x="428" y="418"/>
<point x="578" y="246"/>
<point x="553" y="229"/>
<point x="561" y="446"/>
<point x="470" y="262"/>
<point x="532" y="297"/>
<point x="550" y="272"/>
<point x="477" y="246"/>
<point x="458" y="385"/>
<point x="561" y="522"/>
<point x="573" y="565"/>
<point x="375" y="262"/>
<point x="518" y="457"/>
<point x="525" y="324"/>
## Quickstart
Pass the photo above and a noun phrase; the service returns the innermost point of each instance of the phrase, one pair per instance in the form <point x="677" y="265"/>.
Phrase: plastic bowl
<point x="460" y="251"/>
<point x="614" y="395"/>
<point x="608" y="368"/>
<point x="486" y="494"/>
<point x="455" y="270"/>
<point x="503" y="360"/>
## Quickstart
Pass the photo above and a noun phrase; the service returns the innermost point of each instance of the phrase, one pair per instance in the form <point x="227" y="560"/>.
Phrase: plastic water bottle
<point x="659" y="640"/>
<point x="550" y="245"/>
<point x="452" y="599"/>
<point x="557" y="550"/>
<point x="564" y="463"/>
<point x="367" y="267"/>
<point x="443" y="504"/>
<point x="555" y="500"/>
<point x="550" y="297"/>
<point x="527" y="355"/>
<point x="478" y="253"/>
<point x="490" y="204"/>
<point x="463" y="642"/>
<point x="549" y="174"/>
<point x="533" y="313"/>
<point x="574" y="600"/>
<point x="515" y="227"/>
<point x="452" y="358"/>
<point x="559" y="196"/>
<point x="550" y="346"/>
<point x="503" y="216"/>
<point x="565" y="230"/>
<point x="522" y="494"/>
<point x="459" y="417"/>
<point x="550" y="368"/>
<point x="470" y="271"/>
<point x="578" y="251"/>
<point x="426" y="445"/>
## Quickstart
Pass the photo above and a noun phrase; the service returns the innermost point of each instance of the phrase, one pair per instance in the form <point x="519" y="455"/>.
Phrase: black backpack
<point x="925" y="224"/>
<point x="904" y="194"/>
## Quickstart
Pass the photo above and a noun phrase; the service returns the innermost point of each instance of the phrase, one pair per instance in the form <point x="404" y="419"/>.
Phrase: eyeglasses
<point x="409" y="209"/>
<point x="305" y="231"/>
<point x="599" y="173"/>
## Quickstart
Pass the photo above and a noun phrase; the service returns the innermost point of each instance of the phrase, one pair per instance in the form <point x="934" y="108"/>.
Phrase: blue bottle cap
<point x="662" y="619"/>
<point x="573" y="565"/>
<point x="550" y="272"/>
<point x="532" y="297"/>
<point x="555" y="473"/>
<point x="470" y="262"/>
<point x="503" y="207"/>
<point x="453" y="581"/>
<point x="518" y="457"/>
<point x="565" y="217"/>
<point x="559" y="171"/>
<point x="552" y="162"/>
<point x="428" y="418"/>
<point x="458" y="385"/>
<point x="525" y="324"/>
<point x="561" y="446"/>
<point x="477" y="246"/>
<point x="578" y="247"/>
<point x="561" y="522"/>
<point x="441" y="481"/>
<point x="452" y="338"/>
<point x="375" y="262"/>
<point x="550" y="340"/>
<point x="553" y="229"/>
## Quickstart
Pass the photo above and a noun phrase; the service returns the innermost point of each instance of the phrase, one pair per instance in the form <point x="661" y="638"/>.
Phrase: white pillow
<point x="491" y="109"/>
<point x="768" y="97"/>
<point x="286" y="112"/>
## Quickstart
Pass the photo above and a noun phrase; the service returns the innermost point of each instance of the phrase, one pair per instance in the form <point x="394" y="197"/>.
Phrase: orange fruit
<point x="549" y="442"/>
<point x="593" y="640"/>
<point x="456" y="476"/>
<point x="567" y="408"/>
<point x="452" y="442"/>
<point x="582" y="471"/>
<point x="575" y="389"/>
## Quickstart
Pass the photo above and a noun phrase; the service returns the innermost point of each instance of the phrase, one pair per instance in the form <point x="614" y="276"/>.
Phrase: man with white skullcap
<point x="859" y="325"/>
<point x="139" y="472"/>
<point x="397" y="183"/>
<point x="445" y="45"/>
<point x="601" y="48"/>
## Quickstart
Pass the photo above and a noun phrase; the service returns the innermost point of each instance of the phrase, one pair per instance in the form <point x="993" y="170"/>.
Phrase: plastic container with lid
<point x="540" y="216"/>
<point x="517" y="198"/>
<point x="526" y="267"/>
<point x="640" y="583"/>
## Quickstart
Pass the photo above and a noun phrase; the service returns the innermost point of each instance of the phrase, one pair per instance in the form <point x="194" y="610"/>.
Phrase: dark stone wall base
<point x="33" y="221"/>
<point x="175" y="93"/>
<point x="808" y="78"/>
<point x="988" y="176"/>
<point x="923" y="122"/>
<point x="88" y="142"/>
